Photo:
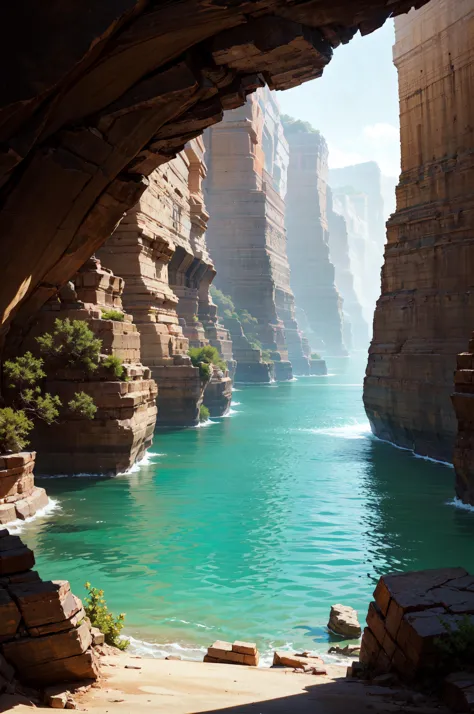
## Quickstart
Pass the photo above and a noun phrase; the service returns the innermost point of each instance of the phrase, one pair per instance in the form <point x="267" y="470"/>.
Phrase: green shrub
<point x="204" y="413"/>
<point x="315" y="355"/>
<point x="115" y="365"/>
<point x="266" y="356"/>
<point x="223" y="302"/>
<point x="195" y="318"/>
<point x="14" y="430"/>
<point x="113" y="315"/>
<point x="71" y="344"/>
<point x="83" y="405"/>
<point x="455" y="651"/>
<point x="97" y="612"/>
<point x="24" y="370"/>
<point x="204" y="357"/>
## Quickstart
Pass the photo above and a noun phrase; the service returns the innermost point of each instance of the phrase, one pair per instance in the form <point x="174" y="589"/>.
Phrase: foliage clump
<point x="115" y="366"/>
<point x="113" y="315"/>
<point x="204" y="357"/>
<point x="227" y="308"/>
<point x="297" y="126"/>
<point x="71" y="344"/>
<point x="315" y="355"/>
<point x="110" y="625"/>
<point x="204" y="413"/>
<point x="455" y="651"/>
<point x="26" y="401"/>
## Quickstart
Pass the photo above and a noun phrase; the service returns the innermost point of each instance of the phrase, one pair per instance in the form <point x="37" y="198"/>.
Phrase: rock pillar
<point x="313" y="273"/>
<point x="123" y="426"/>
<point x="425" y="312"/>
<point x="248" y="157"/>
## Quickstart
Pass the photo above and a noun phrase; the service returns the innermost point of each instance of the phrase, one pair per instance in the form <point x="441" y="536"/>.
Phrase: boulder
<point x="297" y="661"/>
<point x="245" y="653"/>
<point x="343" y="621"/>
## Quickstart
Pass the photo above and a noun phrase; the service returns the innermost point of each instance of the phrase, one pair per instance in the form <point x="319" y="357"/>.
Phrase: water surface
<point x="250" y="528"/>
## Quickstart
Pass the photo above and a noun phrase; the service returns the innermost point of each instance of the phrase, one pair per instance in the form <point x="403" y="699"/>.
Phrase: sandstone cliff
<point x="340" y="257"/>
<point x="160" y="250"/>
<point x="248" y="157"/>
<point x="123" y="426"/>
<point x="424" y="315"/>
<point x="313" y="273"/>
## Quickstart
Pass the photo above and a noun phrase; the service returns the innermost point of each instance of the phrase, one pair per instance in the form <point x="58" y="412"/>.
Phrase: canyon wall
<point x="308" y="239"/>
<point x="340" y="255"/>
<point x="424" y="315"/>
<point x="159" y="249"/>
<point x="357" y="182"/>
<point x="246" y="186"/>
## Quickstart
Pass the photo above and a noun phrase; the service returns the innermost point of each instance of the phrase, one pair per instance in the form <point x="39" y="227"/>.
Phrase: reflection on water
<point x="253" y="527"/>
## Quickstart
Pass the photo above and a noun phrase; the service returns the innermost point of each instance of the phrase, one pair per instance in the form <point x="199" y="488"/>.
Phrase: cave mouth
<point x="95" y="102"/>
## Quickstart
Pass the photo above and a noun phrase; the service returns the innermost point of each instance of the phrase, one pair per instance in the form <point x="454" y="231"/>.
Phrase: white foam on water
<point x="413" y="453"/>
<point x="160" y="650"/>
<point x="234" y="389"/>
<point x="203" y="424"/>
<point x="18" y="525"/>
<point x="146" y="460"/>
<point x="235" y="404"/>
<point x="345" y="431"/>
<point x="79" y="475"/>
<point x="457" y="503"/>
<point x="231" y="412"/>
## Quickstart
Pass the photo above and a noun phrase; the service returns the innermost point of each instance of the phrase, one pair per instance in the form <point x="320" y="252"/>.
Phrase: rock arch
<point x="102" y="94"/>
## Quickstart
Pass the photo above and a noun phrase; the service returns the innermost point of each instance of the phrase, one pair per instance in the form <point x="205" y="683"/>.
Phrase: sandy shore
<point x="132" y="685"/>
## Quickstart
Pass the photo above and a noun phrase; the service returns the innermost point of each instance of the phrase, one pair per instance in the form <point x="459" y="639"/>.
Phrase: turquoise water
<point x="253" y="526"/>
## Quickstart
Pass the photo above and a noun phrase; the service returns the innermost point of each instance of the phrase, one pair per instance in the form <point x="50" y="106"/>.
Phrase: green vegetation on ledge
<point x="204" y="357"/>
<point x="315" y="355"/>
<point x="297" y="126"/>
<point x="204" y="413"/>
<point x="249" y="323"/>
<point x="113" y="315"/>
<point x="96" y="610"/>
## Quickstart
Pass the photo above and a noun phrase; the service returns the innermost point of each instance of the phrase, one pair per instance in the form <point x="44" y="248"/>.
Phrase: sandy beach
<point x="129" y="685"/>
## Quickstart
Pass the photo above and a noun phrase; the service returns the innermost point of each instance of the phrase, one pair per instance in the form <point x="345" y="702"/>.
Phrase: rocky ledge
<point x="19" y="497"/>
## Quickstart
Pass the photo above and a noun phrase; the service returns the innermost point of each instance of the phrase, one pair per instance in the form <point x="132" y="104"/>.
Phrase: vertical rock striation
<point x="308" y="241"/>
<point x="424" y="315"/>
<point x="248" y="158"/>
<point x="340" y="257"/>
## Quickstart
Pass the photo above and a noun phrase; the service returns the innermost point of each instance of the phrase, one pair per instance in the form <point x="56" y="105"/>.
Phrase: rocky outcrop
<point x="248" y="157"/>
<point x="340" y="257"/>
<point x="424" y="315"/>
<point x="123" y="426"/>
<point x="233" y="653"/>
<point x="250" y="368"/>
<point x="45" y="635"/>
<point x="160" y="250"/>
<point x="411" y="614"/>
<point x="19" y="497"/>
<point x="343" y="621"/>
<point x="313" y="274"/>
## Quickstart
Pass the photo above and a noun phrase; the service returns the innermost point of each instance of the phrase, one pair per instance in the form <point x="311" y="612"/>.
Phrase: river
<point x="252" y="526"/>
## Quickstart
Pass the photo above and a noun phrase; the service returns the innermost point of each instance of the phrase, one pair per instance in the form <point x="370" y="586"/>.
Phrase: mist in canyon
<point x="354" y="107"/>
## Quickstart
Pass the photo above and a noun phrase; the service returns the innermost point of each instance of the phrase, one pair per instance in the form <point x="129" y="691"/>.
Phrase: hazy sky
<point x="355" y="103"/>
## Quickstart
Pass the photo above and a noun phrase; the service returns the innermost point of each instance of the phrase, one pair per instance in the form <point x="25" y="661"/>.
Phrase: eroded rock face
<point x="90" y="107"/>
<point x="123" y="426"/>
<point x="463" y="404"/>
<point x="424" y="315"/>
<point x="19" y="497"/>
<point x="248" y="158"/>
<point x="308" y="241"/>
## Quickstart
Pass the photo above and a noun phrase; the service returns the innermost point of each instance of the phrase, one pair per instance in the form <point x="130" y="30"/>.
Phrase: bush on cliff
<point x="455" y="651"/>
<point x="111" y="626"/>
<point x="71" y="344"/>
<point x="227" y="308"/>
<point x="113" y="315"/>
<point x="204" y="413"/>
<point x="315" y="355"/>
<point x="115" y="366"/>
<point x="25" y="398"/>
<point x="204" y="357"/>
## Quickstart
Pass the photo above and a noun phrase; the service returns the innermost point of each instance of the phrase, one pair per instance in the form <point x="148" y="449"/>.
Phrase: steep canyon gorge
<point x="126" y="215"/>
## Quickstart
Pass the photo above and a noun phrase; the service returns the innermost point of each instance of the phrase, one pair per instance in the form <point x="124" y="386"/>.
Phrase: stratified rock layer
<point x="313" y="273"/>
<point x="44" y="632"/>
<point x="463" y="403"/>
<point x="19" y="497"/>
<point x="424" y="316"/>
<point x="248" y="157"/>
<point x="122" y="428"/>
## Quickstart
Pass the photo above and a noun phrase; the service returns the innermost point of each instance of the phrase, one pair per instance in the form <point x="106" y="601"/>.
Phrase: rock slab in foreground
<point x="410" y="613"/>
<point x="343" y="621"/>
<point x="237" y="653"/>
<point x="44" y="633"/>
